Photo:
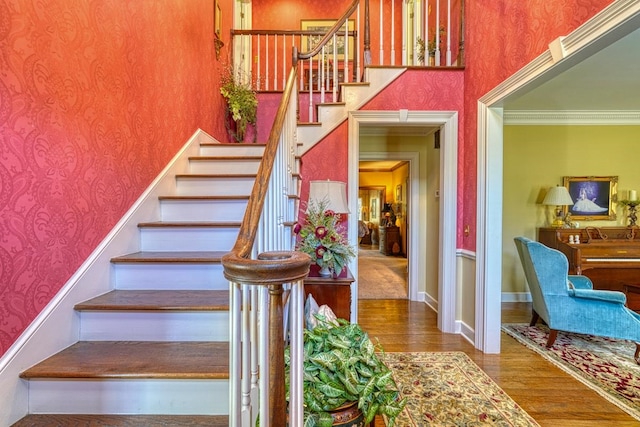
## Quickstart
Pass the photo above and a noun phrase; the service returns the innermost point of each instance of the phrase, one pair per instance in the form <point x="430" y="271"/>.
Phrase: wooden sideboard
<point x="390" y="236"/>
<point x="609" y="256"/>
<point x="332" y="291"/>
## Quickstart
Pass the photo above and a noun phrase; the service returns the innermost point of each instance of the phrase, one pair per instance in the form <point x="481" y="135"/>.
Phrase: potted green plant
<point x="341" y="367"/>
<point x="431" y="47"/>
<point x="242" y="103"/>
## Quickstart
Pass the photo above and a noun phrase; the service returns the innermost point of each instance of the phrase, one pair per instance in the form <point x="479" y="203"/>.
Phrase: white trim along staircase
<point x="143" y="327"/>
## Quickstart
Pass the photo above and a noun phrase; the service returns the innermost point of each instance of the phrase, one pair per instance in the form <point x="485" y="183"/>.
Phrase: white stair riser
<point x="188" y="239"/>
<point x="203" y="210"/>
<point x="214" y="167"/>
<point x="130" y="396"/>
<point x="214" y="186"/>
<point x="154" y="326"/>
<point x="145" y="276"/>
<point x="232" y="150"/>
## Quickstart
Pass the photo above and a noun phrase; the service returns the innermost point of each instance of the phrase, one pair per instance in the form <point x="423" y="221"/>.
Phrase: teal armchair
<point x="569" y="303"/>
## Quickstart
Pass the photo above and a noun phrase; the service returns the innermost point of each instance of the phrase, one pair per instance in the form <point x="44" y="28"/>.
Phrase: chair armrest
<point x="607" y="296"/>
<point x="580" y="282"/>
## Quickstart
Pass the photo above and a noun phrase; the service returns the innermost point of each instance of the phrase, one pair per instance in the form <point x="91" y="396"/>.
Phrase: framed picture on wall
<point x="321" y="27"/>
<point x="594" y="197"/>
<point x="398" y="193"/>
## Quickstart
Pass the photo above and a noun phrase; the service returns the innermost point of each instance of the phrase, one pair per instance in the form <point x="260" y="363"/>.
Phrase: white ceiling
<point x="608" y="80"/>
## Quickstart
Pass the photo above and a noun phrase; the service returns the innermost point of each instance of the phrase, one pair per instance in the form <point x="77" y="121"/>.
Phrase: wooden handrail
<point x="249" y="227"/>
<point x="329" y="35"/>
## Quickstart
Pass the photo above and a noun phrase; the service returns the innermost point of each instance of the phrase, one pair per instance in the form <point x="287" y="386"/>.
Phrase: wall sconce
<point x="334" y="193"/>
<point x="558" y="196"/>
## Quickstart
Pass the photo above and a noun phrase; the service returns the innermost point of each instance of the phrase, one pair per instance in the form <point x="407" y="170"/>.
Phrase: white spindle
<point x="448" y="32"/>
<point x="263" y="325"/>
<point x="284" y="60"/>
<point x="425" y="37"/>
<point x="259" y="73"/>
<point x="345" y="77"/>
<point x="275" y="62"/>
<point x="393" y="32"/>
<point x="235" y="366"/>
<point x="381" y="59"/>
<point x="247" y="411"/>
<point x="322" y="78"/>
<point x="266" y="64"/>
<point x="360" y="41"/>
<point x="437" y="33"/>
<point x="405" y="21"/>
<point x="310" y="89"/>
<point x="295" y="379"/>
<point x="336" y="65"/>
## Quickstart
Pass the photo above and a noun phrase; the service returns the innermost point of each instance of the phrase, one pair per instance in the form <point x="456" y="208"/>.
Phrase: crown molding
<point x="532" y="117"/>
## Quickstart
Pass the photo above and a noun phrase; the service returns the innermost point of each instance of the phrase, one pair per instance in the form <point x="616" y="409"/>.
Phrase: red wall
<point x="501" y="37"/>
<point x="95" y="98"/>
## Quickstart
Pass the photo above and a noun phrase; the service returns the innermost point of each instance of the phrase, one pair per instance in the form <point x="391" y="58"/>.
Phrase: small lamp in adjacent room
<point x="558" y="196"/>
<point x="333" y="192"/>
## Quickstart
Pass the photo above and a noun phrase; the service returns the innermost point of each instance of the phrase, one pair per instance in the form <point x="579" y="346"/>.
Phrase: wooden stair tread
<point x="136" y="360"/>
<point x="321" y="104"/>
<point x="90" y="420"/>
<point x="171" y="256"/>
<point x="192" y="224"/>
<point x="232" y="144"/>
<point x="205" y="158"/>
<point x="203" y="197"/>
<point x="217" y="175"/>
<point x="166" y="300"/>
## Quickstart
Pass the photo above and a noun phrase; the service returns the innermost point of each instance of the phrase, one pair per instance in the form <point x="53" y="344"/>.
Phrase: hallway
<point x="380" y="276"/>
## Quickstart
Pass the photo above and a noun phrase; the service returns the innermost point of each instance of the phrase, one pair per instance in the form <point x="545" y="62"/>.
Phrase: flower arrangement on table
<point x="321" y="237"/>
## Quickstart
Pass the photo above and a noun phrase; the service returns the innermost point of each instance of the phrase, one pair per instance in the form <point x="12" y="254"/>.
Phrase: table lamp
<point x="558" y="196"/>
<point x="334" y="193"/>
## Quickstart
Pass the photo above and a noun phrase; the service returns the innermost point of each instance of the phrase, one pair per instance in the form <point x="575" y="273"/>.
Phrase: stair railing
<point x="262" y="269"/>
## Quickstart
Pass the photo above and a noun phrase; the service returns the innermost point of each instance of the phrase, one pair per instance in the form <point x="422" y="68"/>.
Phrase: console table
<point x="332" y="291"/>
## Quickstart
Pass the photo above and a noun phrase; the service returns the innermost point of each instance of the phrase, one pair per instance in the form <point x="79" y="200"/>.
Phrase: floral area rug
<point x="449" y="389"/>
<point x="603" y="364"/>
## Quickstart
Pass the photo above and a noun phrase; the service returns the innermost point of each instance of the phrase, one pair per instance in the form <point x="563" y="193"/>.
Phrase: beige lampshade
<point x="558" y="196"/>
<point x="333" y="192"/>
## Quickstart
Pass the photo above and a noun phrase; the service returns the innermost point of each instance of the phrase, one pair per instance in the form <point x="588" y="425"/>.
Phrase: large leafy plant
<point x="242" y="102"/>
<point x="340" y="366"/>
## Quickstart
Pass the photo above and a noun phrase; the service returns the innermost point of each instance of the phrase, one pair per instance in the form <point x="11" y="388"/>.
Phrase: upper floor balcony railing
<point x="421" y="33"/>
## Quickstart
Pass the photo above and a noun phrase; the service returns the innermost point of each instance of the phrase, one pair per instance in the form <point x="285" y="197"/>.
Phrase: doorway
<point x="382" y="249"/>
<point x="447" y="122"/>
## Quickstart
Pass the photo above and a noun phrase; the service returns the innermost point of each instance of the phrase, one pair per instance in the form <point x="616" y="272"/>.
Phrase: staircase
<point x="153" y="350"/>
<point x="158" y="342"/>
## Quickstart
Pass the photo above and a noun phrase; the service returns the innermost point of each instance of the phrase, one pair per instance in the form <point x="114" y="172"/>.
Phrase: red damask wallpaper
<point x="95" y="98"/>
<point x="502" y="36"/>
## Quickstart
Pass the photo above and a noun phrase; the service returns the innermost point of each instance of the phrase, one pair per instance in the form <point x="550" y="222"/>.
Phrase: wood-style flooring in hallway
<point x="552" y="397"/>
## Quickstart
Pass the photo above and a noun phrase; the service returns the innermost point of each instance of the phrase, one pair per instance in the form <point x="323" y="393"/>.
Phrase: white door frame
<point x="447" y="279"/>
<point x="608" y="26"/>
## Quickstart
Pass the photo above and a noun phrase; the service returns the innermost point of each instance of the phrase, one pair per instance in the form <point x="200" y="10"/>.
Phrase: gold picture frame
<point x="308" y="42"/>
<point x="217" y="19"/>
<point x="594" y="197"/>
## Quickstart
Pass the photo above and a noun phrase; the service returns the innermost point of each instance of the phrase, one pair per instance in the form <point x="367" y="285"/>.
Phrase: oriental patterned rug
<point x="449" y="389"/>
<point x="603" y="364"/>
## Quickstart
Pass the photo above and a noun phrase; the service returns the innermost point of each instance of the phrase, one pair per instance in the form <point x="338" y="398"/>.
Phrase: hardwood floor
<point x="549" y="395"/>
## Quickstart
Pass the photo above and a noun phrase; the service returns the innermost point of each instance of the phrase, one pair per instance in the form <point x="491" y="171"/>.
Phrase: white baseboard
<point x="57" y="326"/>
<point x="467" y="332"/>
<point x="516" y="297"/>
